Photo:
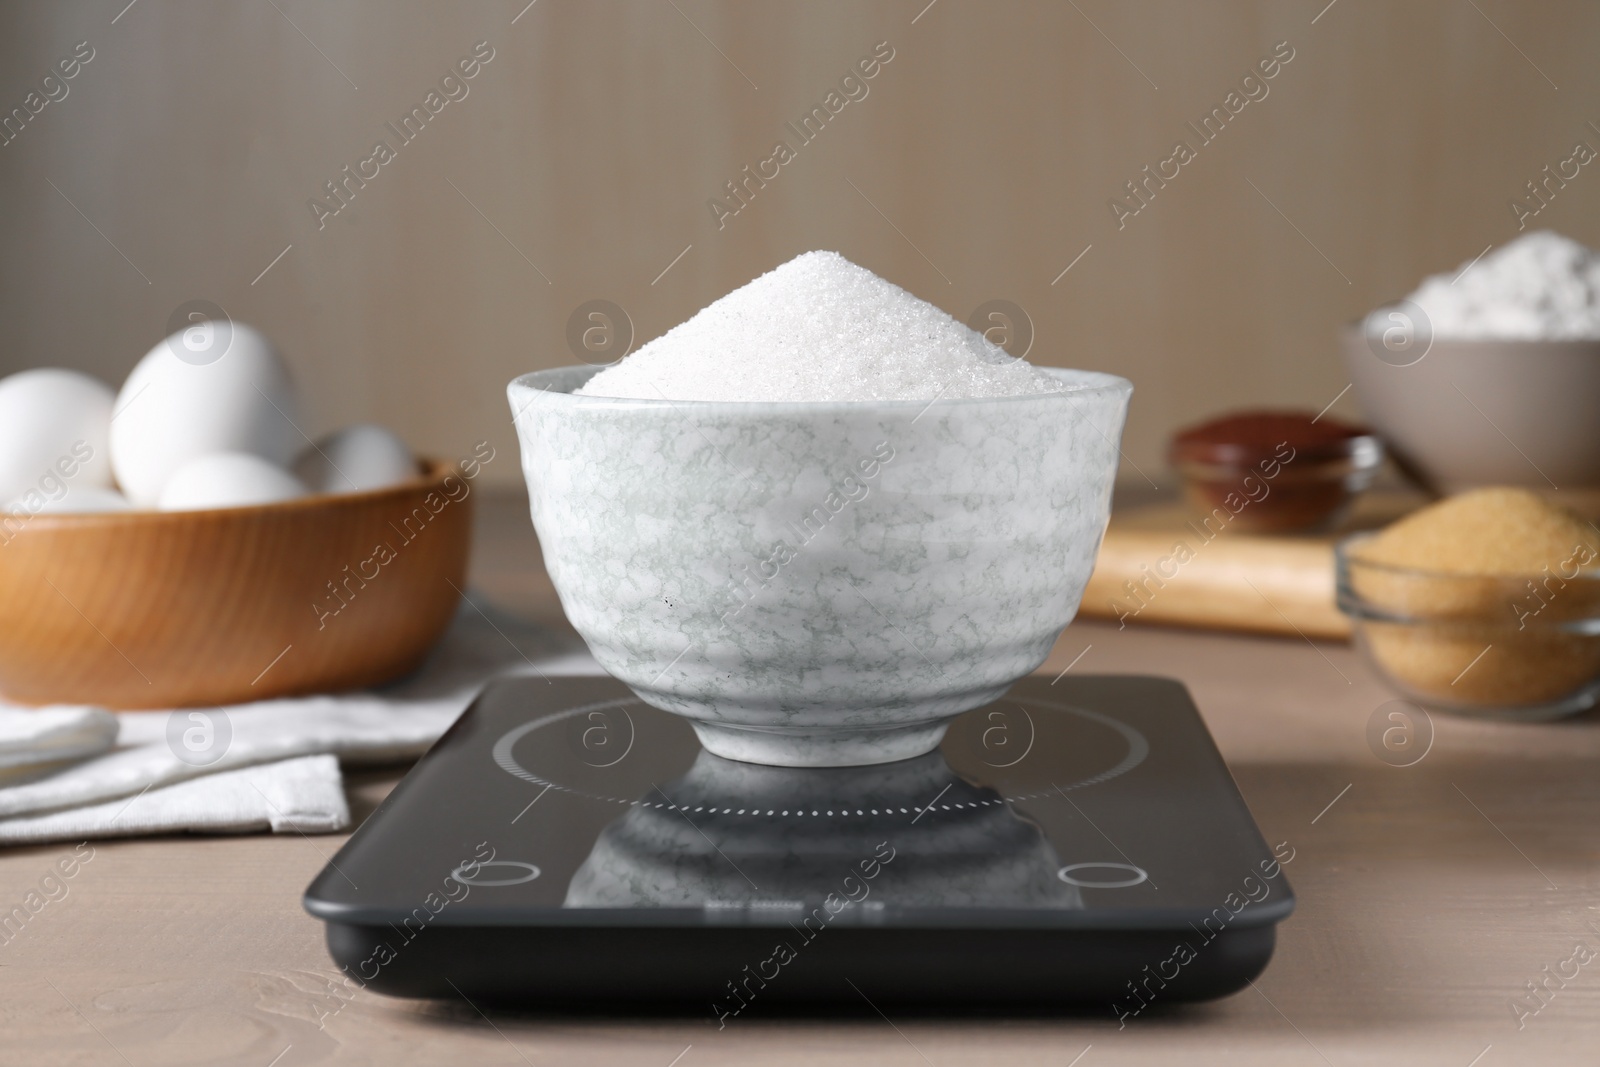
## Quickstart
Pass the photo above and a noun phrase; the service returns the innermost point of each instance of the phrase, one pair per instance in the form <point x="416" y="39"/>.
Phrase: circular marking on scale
<point x="527" y="873"/>
<point x="1138" y="752"/>
<point x="507" y="762"/>
<point x="1138" y="747"/>
<point x="1136" y="875"/>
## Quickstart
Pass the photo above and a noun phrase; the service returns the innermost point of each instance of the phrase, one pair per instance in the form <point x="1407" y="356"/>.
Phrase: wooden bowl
<point x="151" y="609"/>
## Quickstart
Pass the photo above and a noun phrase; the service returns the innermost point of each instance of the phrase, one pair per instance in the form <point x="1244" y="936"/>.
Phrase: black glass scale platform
<point x="567" y="844"/>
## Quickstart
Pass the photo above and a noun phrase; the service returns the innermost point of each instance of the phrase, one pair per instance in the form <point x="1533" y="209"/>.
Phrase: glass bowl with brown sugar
<point x="1486" y="603"/>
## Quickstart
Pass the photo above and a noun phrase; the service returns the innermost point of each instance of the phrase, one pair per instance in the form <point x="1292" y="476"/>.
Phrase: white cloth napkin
<point x="304" y="794"/>
<point x="36" y="742"/>
<point x="246" y="767"/>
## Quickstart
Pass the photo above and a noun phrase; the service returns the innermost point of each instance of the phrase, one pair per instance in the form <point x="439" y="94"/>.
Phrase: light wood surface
<point x="1428" y="896"/>
<point x="981" y="163"/>
<point x="151" y="609"/>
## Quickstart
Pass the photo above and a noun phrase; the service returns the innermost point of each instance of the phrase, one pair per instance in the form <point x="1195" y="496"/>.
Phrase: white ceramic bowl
<point x="819" y="584"/>
<point x="1469" y="413"/>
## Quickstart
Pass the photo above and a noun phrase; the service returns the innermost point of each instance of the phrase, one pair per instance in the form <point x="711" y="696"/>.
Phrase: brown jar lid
<point x="1247" y="437"/>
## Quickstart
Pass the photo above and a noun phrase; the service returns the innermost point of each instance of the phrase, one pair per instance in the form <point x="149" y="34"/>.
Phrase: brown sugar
<point x="1498" y="532"/>
<point x="1479" y="586"/>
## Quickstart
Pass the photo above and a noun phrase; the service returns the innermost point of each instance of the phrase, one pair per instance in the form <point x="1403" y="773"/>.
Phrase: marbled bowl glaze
<point x="819" y="584"/>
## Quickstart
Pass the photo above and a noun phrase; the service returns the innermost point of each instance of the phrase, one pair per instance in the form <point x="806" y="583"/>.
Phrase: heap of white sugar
<point x="1539" y="287"/>
<point x="819" y="328"/>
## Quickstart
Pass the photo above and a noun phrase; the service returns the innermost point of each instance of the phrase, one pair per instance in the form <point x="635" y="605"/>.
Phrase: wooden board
<point x="1157" y="565"/>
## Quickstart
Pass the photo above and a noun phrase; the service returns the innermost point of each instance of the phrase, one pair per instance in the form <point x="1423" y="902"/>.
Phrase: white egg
<point x="54" y="430"/>
<point x="227" y="480"/>
<point x="171" y="410"/>
<point x="356" y="459"/>
<point x="77" y="499"/>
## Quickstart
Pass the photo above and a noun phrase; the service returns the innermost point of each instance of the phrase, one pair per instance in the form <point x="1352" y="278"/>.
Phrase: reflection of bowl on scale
<point x="819" y="584"/>
<point x="739" y="833"/>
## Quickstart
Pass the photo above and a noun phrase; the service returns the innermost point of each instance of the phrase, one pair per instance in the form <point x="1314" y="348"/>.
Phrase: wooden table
<point x="1429" y="896"/>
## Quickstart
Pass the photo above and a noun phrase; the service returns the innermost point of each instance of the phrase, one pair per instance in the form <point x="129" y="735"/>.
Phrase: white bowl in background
<point x="1474" y="413"/>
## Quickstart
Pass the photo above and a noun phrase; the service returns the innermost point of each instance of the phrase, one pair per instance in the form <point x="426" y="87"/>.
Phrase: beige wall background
<point x="579" y="166"/>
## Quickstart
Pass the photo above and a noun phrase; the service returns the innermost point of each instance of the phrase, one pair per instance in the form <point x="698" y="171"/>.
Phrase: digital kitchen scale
<point x="568" y="845"/>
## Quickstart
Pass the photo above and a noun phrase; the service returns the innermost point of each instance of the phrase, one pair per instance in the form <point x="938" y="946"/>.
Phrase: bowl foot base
<point x="801" y="747"/>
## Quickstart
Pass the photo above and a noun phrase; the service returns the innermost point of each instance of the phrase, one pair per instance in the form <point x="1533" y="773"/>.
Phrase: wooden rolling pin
<point x="1234" y="580"/>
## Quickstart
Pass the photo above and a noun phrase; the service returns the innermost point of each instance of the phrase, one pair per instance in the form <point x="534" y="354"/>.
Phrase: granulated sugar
<point x="1539" y="287"/>
<point x="819" y="328"/>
